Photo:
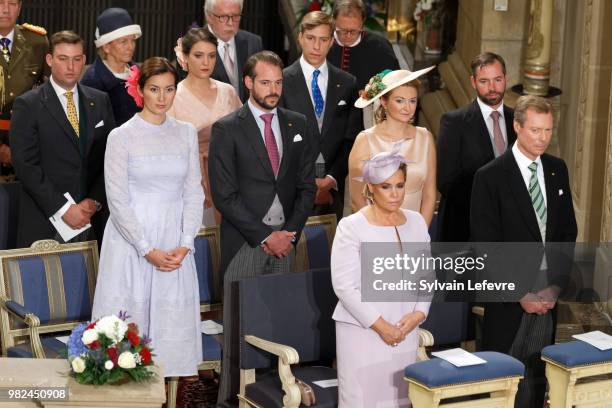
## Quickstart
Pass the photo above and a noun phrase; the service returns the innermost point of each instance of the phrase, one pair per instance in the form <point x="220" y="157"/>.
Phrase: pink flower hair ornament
<point x="132" y="85"/>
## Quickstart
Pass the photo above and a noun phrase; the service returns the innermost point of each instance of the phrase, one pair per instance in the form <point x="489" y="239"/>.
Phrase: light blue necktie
<point x="316" y="94"/>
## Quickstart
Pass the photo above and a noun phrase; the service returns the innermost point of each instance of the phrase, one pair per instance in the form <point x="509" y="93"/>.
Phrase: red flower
<point x="132" y="327"/>
<point x="91" y="325"/>
<point x="145" y="354"/>
<point x="94" y="345"/>
<point x="133" y="338"/>
<point x="112" y="354"/>
<point x="314" y="6"/>
<point x="132" y="85"/>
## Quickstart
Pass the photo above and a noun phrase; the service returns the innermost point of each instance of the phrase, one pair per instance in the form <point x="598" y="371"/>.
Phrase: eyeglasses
<point x="351" y="33"/>
<point x="225" y="19"/>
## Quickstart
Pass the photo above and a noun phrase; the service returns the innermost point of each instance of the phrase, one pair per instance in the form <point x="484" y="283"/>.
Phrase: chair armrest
<point x="478" y="310"/>
<point x="286" y="356"/>
<point x="426" y="339"/>
<point x="30" y="319"/>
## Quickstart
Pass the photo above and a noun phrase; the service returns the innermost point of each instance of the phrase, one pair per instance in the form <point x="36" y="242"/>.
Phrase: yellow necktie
<point x="73" y="118"/>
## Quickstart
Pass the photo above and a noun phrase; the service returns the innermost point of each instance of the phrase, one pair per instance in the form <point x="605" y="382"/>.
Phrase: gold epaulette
<point x="34" y="28"/>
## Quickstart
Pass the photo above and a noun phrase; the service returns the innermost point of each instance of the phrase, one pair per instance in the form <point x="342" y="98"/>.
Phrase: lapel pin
<point x="91" y="104"/>
<point x="289" y="124"/>
<point x="552" y="173"/>
<point x="337" y="85"/>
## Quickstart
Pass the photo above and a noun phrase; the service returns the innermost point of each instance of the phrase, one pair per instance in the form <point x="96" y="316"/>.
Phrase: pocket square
<point x="342" y="103"/>
<point x="100" y="123"/>
<point x="560" y="192"/>
<point x="297" y="138"/>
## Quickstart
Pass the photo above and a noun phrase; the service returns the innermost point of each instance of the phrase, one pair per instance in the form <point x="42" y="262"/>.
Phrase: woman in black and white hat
<point x="116" y="36"/>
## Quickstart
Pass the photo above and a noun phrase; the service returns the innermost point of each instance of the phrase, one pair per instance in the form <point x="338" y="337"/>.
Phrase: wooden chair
<point x="207" y="259"/>
<point x="313" y="250"/>
<point x="45" y="289"/>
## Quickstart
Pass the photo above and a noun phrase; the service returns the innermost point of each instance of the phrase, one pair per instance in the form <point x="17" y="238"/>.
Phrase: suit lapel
<point x="241" y="53"/>
<point x="286" y="132"/>
<point x="509" y="118"/>
<point x="331" y="98"/>
<point x="299" y="93"/>
<point x="520" y="194"/>
<point x="253" y="135"/>
<point x="89" y="107"/>
<point x="478" y="129"/>
<point x="17" y="52"/>
<point x="53" y="104"/>
<point x="552" y="196"/>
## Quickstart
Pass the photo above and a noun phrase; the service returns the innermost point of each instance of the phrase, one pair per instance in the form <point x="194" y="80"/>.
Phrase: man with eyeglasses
<point x="235" y="45"/>
<point x="22" y="66"/>
<point x="355" y="50"/>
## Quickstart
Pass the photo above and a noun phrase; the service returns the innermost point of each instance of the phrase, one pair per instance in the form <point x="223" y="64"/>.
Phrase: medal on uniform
<point x="5" y="50"/>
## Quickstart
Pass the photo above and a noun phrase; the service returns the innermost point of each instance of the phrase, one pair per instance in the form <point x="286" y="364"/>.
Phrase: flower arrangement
<point x="429" y="14"/>
<point x="376" y="15"/>
<point x="132" y="85"/>
<point x="109" y="350"/>
<point x="374" y="86"/>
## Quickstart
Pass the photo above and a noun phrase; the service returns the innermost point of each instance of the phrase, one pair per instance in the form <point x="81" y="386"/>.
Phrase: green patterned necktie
<point x="537" y="199"/>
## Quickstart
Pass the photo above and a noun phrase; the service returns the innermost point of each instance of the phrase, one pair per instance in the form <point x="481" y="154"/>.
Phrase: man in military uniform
<point x="22" y="67"/>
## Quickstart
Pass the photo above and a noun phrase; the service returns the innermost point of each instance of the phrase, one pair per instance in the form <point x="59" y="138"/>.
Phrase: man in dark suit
<point x="58" y="137"/>
<point x="524" y="196"/>
<point x="235" y="45"/>
<point x="469" y="138"/>
<point x="262" y="181"/>
<point x="325" y="95"/>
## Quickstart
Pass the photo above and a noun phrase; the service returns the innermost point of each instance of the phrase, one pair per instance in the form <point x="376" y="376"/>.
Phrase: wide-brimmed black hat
<point x="114" y="23"/>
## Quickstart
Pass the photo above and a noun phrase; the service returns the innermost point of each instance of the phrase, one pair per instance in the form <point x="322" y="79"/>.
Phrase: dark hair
<point x="156" y="66"/>
<point x="65" y="37"/>
<point x="315" y="19"/>
<point x="349" y="8"/>
<point x="487" y="58"/>
<point x="262" y="56"/>
<point x="526" y="102"/>
<point x="194" y="36"/>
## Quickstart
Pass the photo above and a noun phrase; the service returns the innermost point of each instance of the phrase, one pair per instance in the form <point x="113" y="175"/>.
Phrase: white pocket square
<point x="297" y="138"/>
<point x="342" y="103"/>
<point x="560" y="192"/>
<point x="100" y="123"/>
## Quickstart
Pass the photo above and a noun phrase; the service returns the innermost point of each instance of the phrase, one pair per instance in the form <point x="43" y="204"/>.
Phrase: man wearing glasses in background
<point x="359" y="52"/>
<point x="235" y="45"/>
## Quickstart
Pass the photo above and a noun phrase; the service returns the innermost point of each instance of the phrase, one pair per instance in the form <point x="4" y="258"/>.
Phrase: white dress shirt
<point x="308" y="71"/>
<point x="486" y="115"/>
<point x="61" y="94"/>
<point x="10" y="36"/>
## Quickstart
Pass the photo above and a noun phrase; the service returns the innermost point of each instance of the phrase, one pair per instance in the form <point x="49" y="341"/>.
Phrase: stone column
<point x="536" y="72"/>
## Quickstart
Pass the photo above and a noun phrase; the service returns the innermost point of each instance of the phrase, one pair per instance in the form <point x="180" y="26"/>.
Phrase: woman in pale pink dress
<point x="202" y="100"/>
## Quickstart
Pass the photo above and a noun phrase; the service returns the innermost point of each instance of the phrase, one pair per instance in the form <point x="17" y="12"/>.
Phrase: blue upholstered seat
<point x="575" y="353"/>
<point x="437" y="372"/>
<point x="313" y="250"/>
<point x="211" y="348"/>
<point x="53" y="349"/>
<point x="207" y="256"/>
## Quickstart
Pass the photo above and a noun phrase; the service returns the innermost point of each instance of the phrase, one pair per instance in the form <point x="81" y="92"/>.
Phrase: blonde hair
<point x="380" y="115"/>
<point x="366" y="190"/>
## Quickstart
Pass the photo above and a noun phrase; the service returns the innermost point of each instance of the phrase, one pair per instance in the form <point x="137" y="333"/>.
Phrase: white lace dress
<point x="152" y="175"/>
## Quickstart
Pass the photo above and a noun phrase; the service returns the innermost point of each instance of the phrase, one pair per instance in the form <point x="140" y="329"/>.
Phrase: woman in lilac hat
<point x="375" y="340"/>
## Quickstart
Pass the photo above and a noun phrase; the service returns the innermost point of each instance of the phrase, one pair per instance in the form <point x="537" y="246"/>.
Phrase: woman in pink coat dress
<point x="375" y="340"/>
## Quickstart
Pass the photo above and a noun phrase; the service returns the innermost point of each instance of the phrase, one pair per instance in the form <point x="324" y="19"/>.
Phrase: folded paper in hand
<point x="459" y="357"/>
<point x="64" y="230"/>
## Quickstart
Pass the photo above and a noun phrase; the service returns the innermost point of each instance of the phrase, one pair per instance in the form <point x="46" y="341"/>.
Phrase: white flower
<point x="109" y="365"/>
<point x="126" y="360"/>
<point x="78" y="365"/>
<point x="89" y="336"/>
<point x="112" y="327"/>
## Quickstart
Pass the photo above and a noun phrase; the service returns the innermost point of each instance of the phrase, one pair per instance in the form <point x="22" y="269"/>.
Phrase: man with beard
<point x="469" y="138"/>
<point x="262" y="181"/>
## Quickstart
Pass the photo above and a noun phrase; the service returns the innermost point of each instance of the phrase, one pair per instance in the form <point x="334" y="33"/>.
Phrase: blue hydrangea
<point x="75" y="344"/>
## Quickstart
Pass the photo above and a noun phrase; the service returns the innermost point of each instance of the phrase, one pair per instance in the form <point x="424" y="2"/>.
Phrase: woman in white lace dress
<point x="147" y="268"/>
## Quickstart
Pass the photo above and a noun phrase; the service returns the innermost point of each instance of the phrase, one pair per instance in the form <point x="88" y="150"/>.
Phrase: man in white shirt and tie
<point x="58" y="139"/>
<point x="235" y="45"/>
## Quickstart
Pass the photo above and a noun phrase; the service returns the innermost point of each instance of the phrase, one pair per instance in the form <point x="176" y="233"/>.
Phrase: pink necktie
<point x="271" y="146"/>
<point x="498" y="138"/>
<point x="229" y="64"/>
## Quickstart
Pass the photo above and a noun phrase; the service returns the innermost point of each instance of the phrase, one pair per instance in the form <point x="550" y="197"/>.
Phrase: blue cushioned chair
<point x="566" y="363"/>
<point x="207" y="257"/>
<point x="313" y="250"/>
<point x="431" y="381"/>
<point x="45" y="289"/>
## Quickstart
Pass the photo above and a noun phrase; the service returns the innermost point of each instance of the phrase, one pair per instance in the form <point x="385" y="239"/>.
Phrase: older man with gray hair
<point x="235" y="45"/>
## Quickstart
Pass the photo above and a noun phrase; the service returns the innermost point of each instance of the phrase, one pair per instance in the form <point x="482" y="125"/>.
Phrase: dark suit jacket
<point x="247" y="44"/>
<point x="50" y="159"/>
<point x="501" y="211"/>
<point x="341" y="123"/>
<point x="243" y="184"/>
<point x="463" y="146"/>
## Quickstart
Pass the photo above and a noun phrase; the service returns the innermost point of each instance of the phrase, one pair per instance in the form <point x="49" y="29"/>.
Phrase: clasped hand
<point x="539" y="303"/>
<point x="167" y="261"/>
<point x="79" y="215"/>
<point x="395" y="334"/>
<point x="323" y="195"/>
<point x="279" y="243"/>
